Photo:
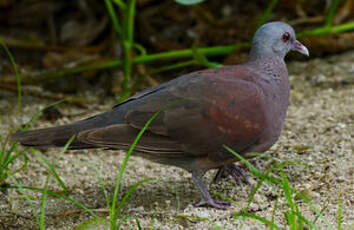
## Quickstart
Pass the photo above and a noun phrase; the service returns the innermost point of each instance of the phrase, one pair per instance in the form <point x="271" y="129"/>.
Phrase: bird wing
<point x="199" y="113"/>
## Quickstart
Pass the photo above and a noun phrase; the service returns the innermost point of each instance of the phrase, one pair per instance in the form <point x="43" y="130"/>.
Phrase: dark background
<point x="46" y="36"/>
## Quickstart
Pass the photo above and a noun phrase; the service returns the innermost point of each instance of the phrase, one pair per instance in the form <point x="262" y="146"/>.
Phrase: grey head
<point x="275" y="40"/>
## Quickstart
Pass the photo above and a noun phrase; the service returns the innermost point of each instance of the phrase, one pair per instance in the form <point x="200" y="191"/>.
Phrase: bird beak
<point x="297" y="46"/>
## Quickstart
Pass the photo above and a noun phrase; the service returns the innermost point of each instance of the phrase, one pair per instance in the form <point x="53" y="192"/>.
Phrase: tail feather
<point x="50" y="137"/>
<point x="60" y="135"/>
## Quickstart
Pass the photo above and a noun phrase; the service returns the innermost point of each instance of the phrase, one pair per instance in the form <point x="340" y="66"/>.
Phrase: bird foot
<point x="221" y="204"/>
<point x="235" y="171"/>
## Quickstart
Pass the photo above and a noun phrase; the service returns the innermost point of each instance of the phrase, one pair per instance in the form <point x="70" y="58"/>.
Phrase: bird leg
<point x="235" y="171"/>
<point x="206" y="198"/>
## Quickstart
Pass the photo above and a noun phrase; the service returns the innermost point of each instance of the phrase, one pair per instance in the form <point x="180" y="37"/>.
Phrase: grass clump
<point x="7" y="150"/>
<point x="115" y="218"/>
<point x="17" y="74"/>
<point x="124" y="27"/>
<point x="7" y="157"/>
<point x="295" y="220"/>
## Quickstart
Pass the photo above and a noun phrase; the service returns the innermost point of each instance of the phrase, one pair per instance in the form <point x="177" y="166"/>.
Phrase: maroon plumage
<point x="243" y="107"/>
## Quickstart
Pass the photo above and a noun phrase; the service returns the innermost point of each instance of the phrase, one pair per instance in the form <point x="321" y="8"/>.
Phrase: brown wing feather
<point x="121" y="136"/>
<point x="214" y="111"/>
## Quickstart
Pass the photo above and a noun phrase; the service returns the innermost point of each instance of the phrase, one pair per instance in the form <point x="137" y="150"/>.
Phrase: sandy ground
<point x="318" y="131"/>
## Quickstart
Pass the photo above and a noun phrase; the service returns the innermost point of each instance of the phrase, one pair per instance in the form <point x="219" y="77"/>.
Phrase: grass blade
<point x="45" y="189"/>
<point x="25" y="161"/>
<point x="269" y="179"/>
<point x="328" y="30"/>
<point x="288" y="195"/>
<point x="18" y="77"/>
<point x="7" y="157"/>
<point x="138" y="225"/>
<point x="128" y="193"/>
<point x="50" y="168"/>
<point x="243" y="160"/>
<point x="43" y="204"/>
<point x="261" y="219"/>
<point x="58" y="195"/>
<point x="274" y="210"/>
<point x="93" y="168"/>
<point x="22" y="190"/>
<point x="11" y="158"/>
<point x="120" y="4"/>
<point x="202" y="60"/>
<point x="113" y="212"/>
<point x="331" y="12"/>
<point x="303" y="219"/>
<point x="339" y="219"/>
<point x="302" y="197"/>
<point x="130" y="21"/>
<point x="128" y="44"/>
<point x="122" y="220"/>
<point x="178" y="200"/>
<point x="113" y="16"/>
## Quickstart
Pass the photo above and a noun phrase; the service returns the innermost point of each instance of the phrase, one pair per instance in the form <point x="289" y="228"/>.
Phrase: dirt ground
<point x="318" y="131"/>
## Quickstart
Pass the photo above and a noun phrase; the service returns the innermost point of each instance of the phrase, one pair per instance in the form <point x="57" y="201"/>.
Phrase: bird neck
<point x="261" y="51"/>
<point x="267" y="62"/>
<point x="271" y="69"/>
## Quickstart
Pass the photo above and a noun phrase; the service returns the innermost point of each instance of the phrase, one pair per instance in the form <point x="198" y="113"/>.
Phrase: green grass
<point x="294" y="219"/>
<point x="115" y="211"/>
<point x="125" y="31"/>
<point x="40" y="217"/>
<point x="115" y="218"/>
<point x="339" y="217"/>
<point x="17" y="74"/>
<point x="7" y="157"/>
<point x="51" y="168"/>
<point x="9" y="153"/>
<point x="331" y="12"/>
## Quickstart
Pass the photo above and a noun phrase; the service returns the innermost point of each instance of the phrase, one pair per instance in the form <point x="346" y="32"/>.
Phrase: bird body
<point x="242" y="107"/>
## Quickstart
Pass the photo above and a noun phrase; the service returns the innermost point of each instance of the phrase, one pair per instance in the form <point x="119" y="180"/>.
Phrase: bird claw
<point x="235" y="171"/>
<point x="221" y="204"/>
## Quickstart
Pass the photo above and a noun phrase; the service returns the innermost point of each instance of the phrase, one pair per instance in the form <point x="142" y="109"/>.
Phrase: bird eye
<point x="285" y="37"/>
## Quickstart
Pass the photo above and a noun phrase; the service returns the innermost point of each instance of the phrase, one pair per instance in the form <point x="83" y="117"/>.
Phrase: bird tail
<point x="50" y="137"/>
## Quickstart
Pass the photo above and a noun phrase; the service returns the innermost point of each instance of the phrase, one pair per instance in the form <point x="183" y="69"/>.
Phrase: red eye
<point x="285" y="37"/>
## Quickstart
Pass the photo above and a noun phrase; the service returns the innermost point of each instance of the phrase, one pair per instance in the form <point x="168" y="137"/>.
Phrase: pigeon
<point x="239" y="106"/>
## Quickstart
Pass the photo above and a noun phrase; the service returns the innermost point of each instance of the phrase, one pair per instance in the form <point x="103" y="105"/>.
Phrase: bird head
<point x="275" y="39"/>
